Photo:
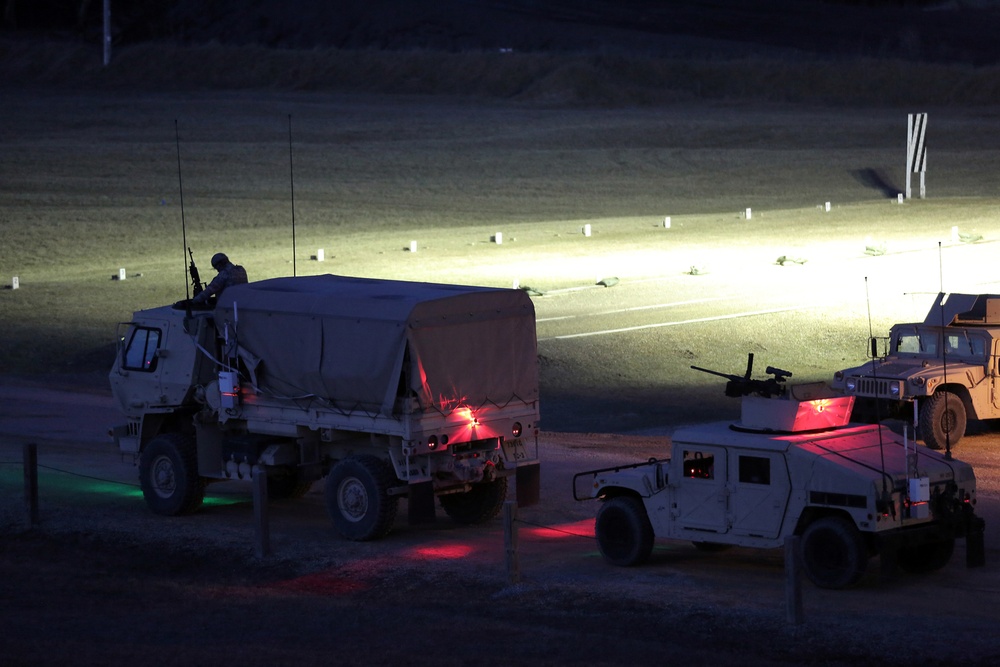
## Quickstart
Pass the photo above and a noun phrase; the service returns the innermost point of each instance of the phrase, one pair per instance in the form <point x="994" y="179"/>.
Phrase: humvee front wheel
<point x="168" y="475"/>
<point x="833" y="553"/>
<point x="357" y="498"/>
<point x="942" y="420"/>
<point x="624" y="533"/>
<point x="477" y="505"/>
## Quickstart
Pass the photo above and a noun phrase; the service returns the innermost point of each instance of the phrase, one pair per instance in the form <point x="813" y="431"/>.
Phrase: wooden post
<point x="31" y="483"/>
<point x="510" y="542"/>
<point x="262" y="531"/>
<point x="793" y="581"/>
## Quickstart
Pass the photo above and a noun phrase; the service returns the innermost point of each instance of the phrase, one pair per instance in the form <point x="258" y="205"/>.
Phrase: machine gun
<point x="196" y="283"/>
<point x="745" y="385"/>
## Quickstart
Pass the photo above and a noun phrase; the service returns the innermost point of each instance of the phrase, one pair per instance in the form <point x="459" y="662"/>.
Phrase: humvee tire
<point x="833" y="553"/>
<point x="624" y="533"/>
<point x="942" y="420"/>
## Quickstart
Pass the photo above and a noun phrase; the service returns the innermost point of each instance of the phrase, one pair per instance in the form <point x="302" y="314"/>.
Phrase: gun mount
<point x="745" y="385"/>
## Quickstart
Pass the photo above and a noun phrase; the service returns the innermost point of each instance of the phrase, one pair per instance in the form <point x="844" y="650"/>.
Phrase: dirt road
<point x="102" y="580"/>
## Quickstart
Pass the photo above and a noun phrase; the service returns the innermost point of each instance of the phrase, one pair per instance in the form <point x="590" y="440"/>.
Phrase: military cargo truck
<point x="386" y="388"/>
<point x="792" y="465"/>
<point x="943" y="371"/>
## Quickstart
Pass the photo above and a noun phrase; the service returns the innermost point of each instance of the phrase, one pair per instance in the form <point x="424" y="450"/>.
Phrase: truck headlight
<point x="851" y="385"/>
<point x="894" y="389"/>
<point x="918" y="381"/>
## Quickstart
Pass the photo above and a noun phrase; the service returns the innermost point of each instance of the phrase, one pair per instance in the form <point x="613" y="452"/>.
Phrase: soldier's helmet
<point x="219" y="260"/>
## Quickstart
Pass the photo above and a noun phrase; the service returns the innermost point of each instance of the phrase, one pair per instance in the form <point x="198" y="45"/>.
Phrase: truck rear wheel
<point x="833" y="553"/>
<point x="624" y="533"/>
<point x="168" y="475"/>
<point x="924" y="558"/>
<point x="358" y="500"/>
<point x="942" y="420"/>
<point x="478" y="505"/>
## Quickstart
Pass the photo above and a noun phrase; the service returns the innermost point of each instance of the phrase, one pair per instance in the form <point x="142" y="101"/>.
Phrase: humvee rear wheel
<point x="833" y="553"/>
<point x="357" y="498"/>
<point x="624" y="533"/>
<point x="925" y="558"/>
<point x="942" y="420"/>
<point x="480" y="504"/>
<point x="168" y="475"/>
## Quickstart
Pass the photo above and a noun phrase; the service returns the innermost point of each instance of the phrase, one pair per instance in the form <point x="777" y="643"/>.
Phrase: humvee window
<point x="755" y="470"/>
<point x="697" y="465"/>
<point x="918" y="342"/>
<point x="140" y="353"/>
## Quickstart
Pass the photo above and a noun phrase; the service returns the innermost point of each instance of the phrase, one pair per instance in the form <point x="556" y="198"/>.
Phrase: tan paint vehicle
<point x="792" y="466"/>
<point x="385" y="388"/>
<point x="943" y="371"/>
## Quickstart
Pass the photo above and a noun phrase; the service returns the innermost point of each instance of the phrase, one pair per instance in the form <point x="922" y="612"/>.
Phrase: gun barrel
<point x="728" y="376"/>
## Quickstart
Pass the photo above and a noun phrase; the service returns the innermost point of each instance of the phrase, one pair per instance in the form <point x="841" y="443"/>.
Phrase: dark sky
<point x="819" y="28"/>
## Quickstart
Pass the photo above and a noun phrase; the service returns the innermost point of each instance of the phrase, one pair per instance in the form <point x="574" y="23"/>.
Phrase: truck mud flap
<point x="420" y="503"/>
<point x="528" y="481"/>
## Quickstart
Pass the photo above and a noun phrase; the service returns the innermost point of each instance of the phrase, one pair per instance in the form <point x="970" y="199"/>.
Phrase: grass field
<point x="91" y="180"/>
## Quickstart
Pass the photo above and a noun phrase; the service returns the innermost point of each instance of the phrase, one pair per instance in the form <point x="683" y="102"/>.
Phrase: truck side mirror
<point x="874" y="346"/>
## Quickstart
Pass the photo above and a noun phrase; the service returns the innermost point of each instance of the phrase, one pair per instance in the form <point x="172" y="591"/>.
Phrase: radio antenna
<point x="291" y="178"/>
<point x="878" y="417"/>
<point x="948" y="422"/>
<point x="180" y="188"/>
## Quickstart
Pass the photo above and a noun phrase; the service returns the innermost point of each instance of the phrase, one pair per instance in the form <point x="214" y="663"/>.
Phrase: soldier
<point x="229" y="274"/>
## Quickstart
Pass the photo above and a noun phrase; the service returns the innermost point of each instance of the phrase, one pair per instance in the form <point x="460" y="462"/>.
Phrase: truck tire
<point x="168" y="475"/>
<point x="624" y="533"/>
<point x="833" y="553"/>
<point x="924" y="558"/>
<point x="942" y="420"/>
<point x="357" y="498"/>
<point x="478" y="505"/>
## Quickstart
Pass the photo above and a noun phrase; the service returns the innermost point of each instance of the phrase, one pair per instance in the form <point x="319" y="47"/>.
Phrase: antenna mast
<point x="291" y="178"/>
<point x="948" y="424"/>
<point x="180" y="187"/>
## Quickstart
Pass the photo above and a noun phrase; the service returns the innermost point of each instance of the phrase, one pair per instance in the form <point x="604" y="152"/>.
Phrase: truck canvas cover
<point x="360" y="343"/>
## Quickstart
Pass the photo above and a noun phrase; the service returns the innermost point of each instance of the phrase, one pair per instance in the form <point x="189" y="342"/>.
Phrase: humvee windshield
<point x="957" y="343"/>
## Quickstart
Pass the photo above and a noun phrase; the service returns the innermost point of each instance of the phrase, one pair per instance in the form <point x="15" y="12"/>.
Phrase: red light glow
<point x="322" y="583"/>
<point x="441" y="552"/>
<point x="583" y="528"/>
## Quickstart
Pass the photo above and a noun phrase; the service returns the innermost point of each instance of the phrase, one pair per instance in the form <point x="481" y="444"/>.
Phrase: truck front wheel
<point x="357" y="498"/>
<point x="168" y="475"/>
<point x="833" y="553"/>
<point x="942" y="420"/>
<point x="478" y="505"/>
<point x="624" y="533"/>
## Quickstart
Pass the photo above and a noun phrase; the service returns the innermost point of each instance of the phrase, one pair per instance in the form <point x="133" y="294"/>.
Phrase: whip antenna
<point x="878" y="416"/>
<point x="948" y="422"/>
<point x="291" y="178"/>
<point x="180" y="188"/>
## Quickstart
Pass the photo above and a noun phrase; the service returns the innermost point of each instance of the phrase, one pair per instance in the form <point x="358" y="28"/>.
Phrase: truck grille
<point x="876" y="387"/>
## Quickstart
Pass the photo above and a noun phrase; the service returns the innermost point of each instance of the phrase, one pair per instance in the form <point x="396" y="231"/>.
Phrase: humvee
<point x="793" y="465"/>
<point x="943" y="371"/>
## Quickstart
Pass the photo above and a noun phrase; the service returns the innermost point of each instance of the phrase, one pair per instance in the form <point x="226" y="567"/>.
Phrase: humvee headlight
<point x="918" y="381"/>
<point x="851" y="384"/>
<point x="894" y="389"/>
